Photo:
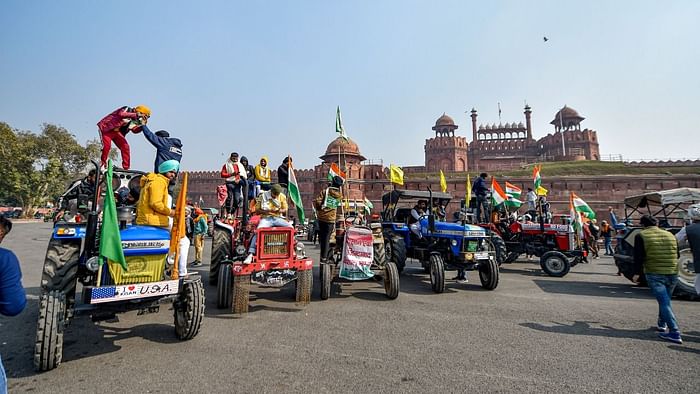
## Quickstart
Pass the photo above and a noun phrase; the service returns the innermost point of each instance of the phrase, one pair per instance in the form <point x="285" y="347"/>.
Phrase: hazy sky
<point x="264" y="77"/>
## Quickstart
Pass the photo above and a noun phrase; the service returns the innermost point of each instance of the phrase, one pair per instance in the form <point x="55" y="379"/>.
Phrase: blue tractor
<point x="74" y="282"/>
<point x="441" y="245"/>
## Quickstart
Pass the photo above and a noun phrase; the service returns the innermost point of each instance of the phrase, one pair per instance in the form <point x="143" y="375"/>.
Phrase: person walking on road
<point x="656" y="251"/>
<point x="13" y="299"/>
<point x="607" y="232"/>
<point x="691" y="234"/>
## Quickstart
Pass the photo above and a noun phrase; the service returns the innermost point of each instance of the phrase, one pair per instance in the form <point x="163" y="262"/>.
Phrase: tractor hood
<point x="447" y="228"/>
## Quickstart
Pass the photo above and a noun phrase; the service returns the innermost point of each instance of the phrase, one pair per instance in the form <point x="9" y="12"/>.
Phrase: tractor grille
<point x="141" y="269"/>
<point x="276" y="244"/>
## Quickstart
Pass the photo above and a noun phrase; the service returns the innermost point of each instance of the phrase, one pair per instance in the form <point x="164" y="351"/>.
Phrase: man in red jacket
<point x="115" y="127"/>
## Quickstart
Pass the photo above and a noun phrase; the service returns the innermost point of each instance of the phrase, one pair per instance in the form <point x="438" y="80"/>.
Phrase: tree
<point x="37" y="168"/>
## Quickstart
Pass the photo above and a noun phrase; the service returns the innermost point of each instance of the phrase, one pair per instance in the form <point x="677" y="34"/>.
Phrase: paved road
<point x="590" y="331"/>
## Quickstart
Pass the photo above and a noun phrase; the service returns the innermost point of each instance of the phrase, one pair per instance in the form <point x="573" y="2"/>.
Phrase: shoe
<point x="673" y="336"/>
<point x="197" y="264"/>
<point x="248" y="259"/>
<point x="457" y="278"/>
<point x="462" y="281"/>
<point x="661" y="327"/>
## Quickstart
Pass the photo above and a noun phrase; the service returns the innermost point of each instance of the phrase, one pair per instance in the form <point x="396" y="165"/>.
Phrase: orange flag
<point x="178" y="230"/>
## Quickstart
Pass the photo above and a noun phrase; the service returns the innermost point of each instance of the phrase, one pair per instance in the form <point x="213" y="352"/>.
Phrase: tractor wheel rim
<point x="554" y="264"/>
<point x="686" y="269"/>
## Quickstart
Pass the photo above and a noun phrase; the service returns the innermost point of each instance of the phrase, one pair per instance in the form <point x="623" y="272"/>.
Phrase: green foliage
<point x="36" y="168"/>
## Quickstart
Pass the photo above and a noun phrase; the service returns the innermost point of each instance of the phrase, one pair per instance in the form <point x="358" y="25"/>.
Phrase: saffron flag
<point x="536" y="178"/>
<point x="335" y="171"/>
<point x="339" y="124"/>
<point x="110" y="239"/>
<point x="295" y="194"/>
<point x="513" y="190"/>
<point x="179" y="230"/>
<point x="498" y="196"/>
<point x="582" y="207"/>
<point x="443" y="182"/>
<point x="395" y="174"/>
<point x="468" y="196"/>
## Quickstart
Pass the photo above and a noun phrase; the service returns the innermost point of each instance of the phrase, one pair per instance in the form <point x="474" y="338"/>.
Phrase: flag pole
<point x="561" y="129"/>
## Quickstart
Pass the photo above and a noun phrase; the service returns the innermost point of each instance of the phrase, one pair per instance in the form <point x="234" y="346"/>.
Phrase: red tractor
<point x="555" y="244"/>
<point x="279" y="259"/>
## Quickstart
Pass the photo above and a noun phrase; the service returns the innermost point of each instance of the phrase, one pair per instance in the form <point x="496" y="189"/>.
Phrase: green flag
<point x="339" y="125"/>
<point x="110" y="240"/>
<point x="295" y="193"/>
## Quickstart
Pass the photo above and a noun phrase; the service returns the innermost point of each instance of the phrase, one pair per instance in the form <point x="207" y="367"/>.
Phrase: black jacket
<point x="283" y="175"/>
<point x="167" y="148"/>
<point x="480" y="188"/>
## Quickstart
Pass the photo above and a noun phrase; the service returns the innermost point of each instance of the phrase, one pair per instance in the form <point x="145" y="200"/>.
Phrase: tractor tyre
<point x="188" y="310"/>
<point x="488" y="275"/>
<point x="241" y="293"/>
<point x="326" y="280"/>
<point x="391" y="280"/>
<point x="512" y="257"/>
<point x="437" y="273"/>
<point x="305" y="283"/>
<point x="395" y="250"/>
<point x="499" y="246"/>
<point x="48" y="348"/>
<point x="379" y="255"/>
<point x="61" y="270"/>
<point x="686" y="276"/>
<point x="220" y="250"/>
<point x="555" y="263"/>
<point x="224" y="287"/>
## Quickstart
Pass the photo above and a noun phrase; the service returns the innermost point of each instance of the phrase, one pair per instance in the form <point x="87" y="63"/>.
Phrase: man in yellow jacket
<point x="154" y="206"/>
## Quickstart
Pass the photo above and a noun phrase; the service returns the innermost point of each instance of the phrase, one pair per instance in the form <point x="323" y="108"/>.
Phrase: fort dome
<point x="342" y="146"/>
<point x="569" y="115"/>
<point x="444" y="120"/>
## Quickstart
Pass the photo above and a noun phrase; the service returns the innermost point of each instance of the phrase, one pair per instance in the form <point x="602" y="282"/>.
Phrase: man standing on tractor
<point x="326" y="205"/>
<point x="154" y="204"/>
<point x="115" y="127"/>
<point x="283" y="172"/>
<point x="691" y="233"/>
<point x="481" y="191"/>
<point x="262" y="176"/>
<point x="656" y="251"/>
<point x="531" y="199"/>
<point x="167" y="148"/>
<point x="271" y="206"/>
<point x="235" y="175"/>
<point x="414" y="220"/>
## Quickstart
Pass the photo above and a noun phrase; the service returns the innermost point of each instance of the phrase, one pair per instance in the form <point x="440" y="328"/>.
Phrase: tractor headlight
<point x="454" y="242"/>
<point x="93" y="263"/>
<point x="170" y="260"/>
<point x="240" y="250"/>
<point x="300" y="249"/>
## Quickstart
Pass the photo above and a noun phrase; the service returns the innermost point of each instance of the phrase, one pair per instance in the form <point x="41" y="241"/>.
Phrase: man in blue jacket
<point x="167" y="148"/>
<point x="12" y="296"/>
<point x="481" y="190"/>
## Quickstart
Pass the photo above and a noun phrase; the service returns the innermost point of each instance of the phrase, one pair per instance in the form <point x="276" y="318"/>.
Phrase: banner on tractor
<point x="356" y="263"/>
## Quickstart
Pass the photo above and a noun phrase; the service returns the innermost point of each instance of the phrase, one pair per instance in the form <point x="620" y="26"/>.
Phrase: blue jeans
<point x="608" y="246"/>
<point x="662" y="287"/>
<point x="482" y="208"/>
<point x="270" y="221"/>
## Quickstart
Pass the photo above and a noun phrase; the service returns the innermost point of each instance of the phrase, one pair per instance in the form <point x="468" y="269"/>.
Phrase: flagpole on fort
<point x="561" y="129"/>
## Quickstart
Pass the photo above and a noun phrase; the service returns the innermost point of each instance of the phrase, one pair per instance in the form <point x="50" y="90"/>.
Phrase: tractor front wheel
<point x="326" y="280"/>
<point x="488" y="274"/>
<point x="241" y="293"/>
<point x="437" y="273"/>
<point x="391" y="280"/>
<point x="48" y="348"/>
<point x="305" y="282"/>
<point x="224" y="287"/>
<point x="555" y="264"/>
<point x="188" y="310"/>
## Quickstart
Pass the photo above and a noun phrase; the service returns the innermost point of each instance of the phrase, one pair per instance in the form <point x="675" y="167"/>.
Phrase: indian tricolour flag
<point x="575" y="216"/>
<point x="335" y="171"/>
<point x="536" y="179"/>
<point x="498" y="196"/>
<point x="513" y="190"/>
<point x="581" y="206"/>
<point x="295" y="193"/>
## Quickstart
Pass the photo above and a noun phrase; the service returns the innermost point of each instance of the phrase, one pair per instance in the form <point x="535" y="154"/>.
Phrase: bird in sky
<point x="545" y="38"/>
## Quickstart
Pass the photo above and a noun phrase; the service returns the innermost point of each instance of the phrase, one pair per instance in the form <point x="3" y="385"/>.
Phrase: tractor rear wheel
<point x="391" y="280"/>
<point x="437" y="273"/>
<point x="555" y="263"/>
<point x="48" y="348"/>
<point x="326" y="280"/>
<point x="499" y="245"/>
<point x="488" y="275"/>
<point x="188" y="310"/>
<point x="512" y="256"/>
<point x="220" y="250"/>
<point x="305" y="282"/>
<point x="379" y="255"/>
<point x="224" y="287"/>
<point x="241" y="293"/>
<point x="395" y="250"/>
<point x="61" y="270"/>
